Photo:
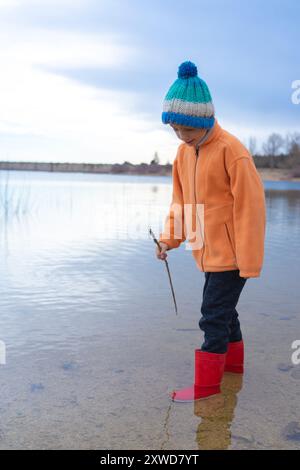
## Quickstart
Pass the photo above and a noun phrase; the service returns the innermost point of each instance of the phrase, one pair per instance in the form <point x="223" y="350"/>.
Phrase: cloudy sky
<point x="84" y="80"/>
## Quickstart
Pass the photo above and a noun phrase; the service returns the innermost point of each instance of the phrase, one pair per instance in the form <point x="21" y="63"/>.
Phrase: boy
<point x="214" y="174"/>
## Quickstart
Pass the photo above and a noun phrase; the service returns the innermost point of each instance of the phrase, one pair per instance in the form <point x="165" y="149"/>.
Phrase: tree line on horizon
<point x="277" y="152"/>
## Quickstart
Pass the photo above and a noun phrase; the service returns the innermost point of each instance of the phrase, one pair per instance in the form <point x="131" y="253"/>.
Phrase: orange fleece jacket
<point x="223" y="184"/>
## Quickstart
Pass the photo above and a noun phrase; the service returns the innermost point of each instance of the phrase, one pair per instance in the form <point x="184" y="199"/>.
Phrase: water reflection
<point x="217" y="413"/>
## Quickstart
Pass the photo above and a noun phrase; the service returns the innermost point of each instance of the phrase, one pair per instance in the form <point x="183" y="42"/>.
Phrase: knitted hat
<point x="188" y="101"/>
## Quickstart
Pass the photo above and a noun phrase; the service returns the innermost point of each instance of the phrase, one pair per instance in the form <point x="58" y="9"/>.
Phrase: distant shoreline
<point x="126" y="168"/>
<point x="276" y="174"/>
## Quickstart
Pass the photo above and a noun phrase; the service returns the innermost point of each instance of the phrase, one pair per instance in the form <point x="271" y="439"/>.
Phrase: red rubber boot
<point x="235" y="357"/>
<point x="209" y="368"/>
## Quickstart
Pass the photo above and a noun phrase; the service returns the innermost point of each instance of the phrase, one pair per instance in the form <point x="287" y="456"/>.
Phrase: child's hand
<point x="162" y="254"/>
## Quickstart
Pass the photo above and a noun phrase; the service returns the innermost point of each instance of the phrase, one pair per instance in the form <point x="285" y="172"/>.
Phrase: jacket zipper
<point x="197" y="154"/>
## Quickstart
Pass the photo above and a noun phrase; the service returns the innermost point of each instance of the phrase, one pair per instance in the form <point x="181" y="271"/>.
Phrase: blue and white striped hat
<point x="188" y="101"/>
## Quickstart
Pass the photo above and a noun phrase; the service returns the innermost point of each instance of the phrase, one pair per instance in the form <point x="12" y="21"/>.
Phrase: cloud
<point x="76" y="122"/>
<point x="84" y="80"/>
<point x="57" y="48"/>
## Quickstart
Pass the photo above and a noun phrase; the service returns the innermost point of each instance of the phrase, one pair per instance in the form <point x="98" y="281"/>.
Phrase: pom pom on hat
<point x="187" y="69"/>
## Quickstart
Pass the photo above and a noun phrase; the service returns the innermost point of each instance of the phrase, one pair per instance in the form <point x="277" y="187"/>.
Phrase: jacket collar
<point x="212" y="134"/>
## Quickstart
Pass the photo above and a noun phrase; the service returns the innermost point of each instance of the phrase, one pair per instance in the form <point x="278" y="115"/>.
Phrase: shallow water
<point x="93" y="345"/>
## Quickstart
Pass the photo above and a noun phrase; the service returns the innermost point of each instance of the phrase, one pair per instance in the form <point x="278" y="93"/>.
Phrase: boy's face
<point x="190" y="135"/>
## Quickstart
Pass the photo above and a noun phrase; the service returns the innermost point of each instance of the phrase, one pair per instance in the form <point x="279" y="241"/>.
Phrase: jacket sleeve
<point x="173" y="233"/>
<point x="249" y="216"/>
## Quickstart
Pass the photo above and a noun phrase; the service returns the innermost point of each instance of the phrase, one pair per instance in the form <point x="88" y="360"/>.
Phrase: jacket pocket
<point x="229" y="231"/>
<point x="219" y="251"/>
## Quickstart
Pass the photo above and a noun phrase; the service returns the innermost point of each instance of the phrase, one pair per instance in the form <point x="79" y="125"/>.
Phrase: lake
<point x="91" y="340"/>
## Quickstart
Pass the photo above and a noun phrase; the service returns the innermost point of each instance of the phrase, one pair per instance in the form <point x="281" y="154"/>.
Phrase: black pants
<point x="219" y="320"/>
